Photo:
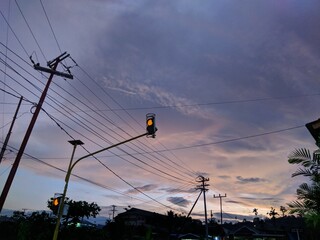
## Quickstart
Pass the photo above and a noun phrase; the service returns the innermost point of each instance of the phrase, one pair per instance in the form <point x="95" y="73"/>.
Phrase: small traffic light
<point x="56" y="202"/>
<point x="151" y="124"/>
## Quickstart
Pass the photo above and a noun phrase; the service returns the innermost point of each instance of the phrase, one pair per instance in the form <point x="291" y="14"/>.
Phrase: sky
<point x="232" y="84"/>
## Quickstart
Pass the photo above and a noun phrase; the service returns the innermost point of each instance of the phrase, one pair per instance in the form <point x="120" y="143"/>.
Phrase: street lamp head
<point x="314" y="129"/>
<point x="316" y="154"/>
<point x="76" y="142"/>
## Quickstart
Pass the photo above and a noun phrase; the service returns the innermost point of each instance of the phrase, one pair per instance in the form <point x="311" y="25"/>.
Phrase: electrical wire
<point x="15" y="35"/>
<point x="35" y="39"/>
<point x="54" y="35"/>
<point x="234" y="139"/>
<point x="95" y="183"/>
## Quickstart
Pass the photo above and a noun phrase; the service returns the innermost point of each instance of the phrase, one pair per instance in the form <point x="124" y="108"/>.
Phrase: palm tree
<point x="308" y="194"/>
<point x="255" y="211"/>
<point x="272" y="213"/>
<point x="283" y="210"/>
<point x="311" y="165"/>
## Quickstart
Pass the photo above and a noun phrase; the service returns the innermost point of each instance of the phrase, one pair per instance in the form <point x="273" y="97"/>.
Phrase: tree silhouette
<point x="273" y="213"/>
<point x="283" y="210"/>
<point x="77" y="210"/>
<point x="308" y="194"/>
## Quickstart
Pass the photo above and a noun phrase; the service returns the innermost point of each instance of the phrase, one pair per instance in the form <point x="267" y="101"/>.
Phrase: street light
<point x="75" y="143"/>
<point x="314" y="129"/>
<point x="71" y="166"/>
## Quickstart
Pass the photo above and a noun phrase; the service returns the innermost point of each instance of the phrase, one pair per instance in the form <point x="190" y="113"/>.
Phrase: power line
<point x="14" y="34"/>
<point x="233" y="139"/>
<point x="128" y="154"/>
<point x="31" y="30"/>
<point x="116" y="102"/>
<point x="54" y="35"/>
<point x="212" y="103"/>
<point x="95" y="183"/>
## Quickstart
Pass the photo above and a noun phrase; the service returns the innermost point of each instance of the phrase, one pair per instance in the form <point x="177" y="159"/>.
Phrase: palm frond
<point x="302" y="172"/>
<point x="301" y="153"/>
<point x="296" y="207"/>
<point x="300" y="156"/>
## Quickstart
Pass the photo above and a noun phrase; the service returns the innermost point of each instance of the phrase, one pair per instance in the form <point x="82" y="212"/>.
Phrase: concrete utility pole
<point x="113" y="211"/>
<point x="4" y="147"/>
<point x="220" y="196"/>
<point x="203" y="189"/>
<point x="52" y="70"/>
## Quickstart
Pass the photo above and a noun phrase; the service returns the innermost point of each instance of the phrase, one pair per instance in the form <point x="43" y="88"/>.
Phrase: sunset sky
<point x="232" y="84"/>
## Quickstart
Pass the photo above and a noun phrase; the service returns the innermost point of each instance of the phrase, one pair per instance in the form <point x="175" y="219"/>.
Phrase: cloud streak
<point x="182" y="54"/>
<point x="242" y="180"/>
<point x="179" y="201"/>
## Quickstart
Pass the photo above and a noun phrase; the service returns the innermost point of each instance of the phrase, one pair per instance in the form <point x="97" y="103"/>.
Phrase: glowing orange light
<point x="149" y="122"/>
<point x="55" y="202"/>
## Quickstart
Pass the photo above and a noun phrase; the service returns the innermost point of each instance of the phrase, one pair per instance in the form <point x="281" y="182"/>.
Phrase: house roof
<point x="245" y="230"/>
<point x="188" y="236"/>
<point x="138" y="212"/>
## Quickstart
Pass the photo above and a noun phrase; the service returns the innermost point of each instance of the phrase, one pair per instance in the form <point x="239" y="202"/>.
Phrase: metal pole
<point x="71" y="166"/>
<point x="104" y="149"/>
<point x="60" y="212"/>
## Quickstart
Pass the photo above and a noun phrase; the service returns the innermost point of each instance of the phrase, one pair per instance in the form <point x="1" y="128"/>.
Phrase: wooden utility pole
<point x="4" y="146"/>
<point x="220" y="196"/>
<point x="52" y="70"/>
<point x="203" y="189"/>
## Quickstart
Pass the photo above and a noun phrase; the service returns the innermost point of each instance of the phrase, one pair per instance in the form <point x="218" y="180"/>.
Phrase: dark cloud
<point x="233" y="201"/>
<point x="274" y="199"/>
<point x="180" y="201"/>
<point x="178" y="190"/>
<point x="145" y="188"/>
<point x="224" y="177"/>
<point x="183" y="54"/>
<point x="226" y="216"/>
<point x="243" y="180"/>
<point x="170" y="45"/>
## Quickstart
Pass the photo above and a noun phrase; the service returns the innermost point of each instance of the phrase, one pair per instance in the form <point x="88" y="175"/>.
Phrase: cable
<point x="155" y="173"/>
<point x="233" y="139"/>
<point x="214" y="103"/>
<point x="101" y="88"/>
<point x="54" y="35"/>
<point x="14" y="34"/>
<point x="31" y="31"/>
<point x="121" y="178"/>
<point x="87" y="180"/>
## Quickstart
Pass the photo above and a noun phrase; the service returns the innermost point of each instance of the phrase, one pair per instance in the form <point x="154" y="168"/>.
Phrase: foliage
<point x="283" y="210"/>
<point x="37" y="226"/>
<point x="308" y="194"/>
<point x="273" y="213"/>
<point x="313" y="220"/>
<point x="80" y="209"/>
<point x="40" y="226"/>
<point x="77" y="210"/>
<point x="310" y="164"/>
<point x="255" y="211"/>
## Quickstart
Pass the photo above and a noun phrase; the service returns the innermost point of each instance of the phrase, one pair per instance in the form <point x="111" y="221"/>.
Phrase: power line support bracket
<point x="53" y="66"/>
